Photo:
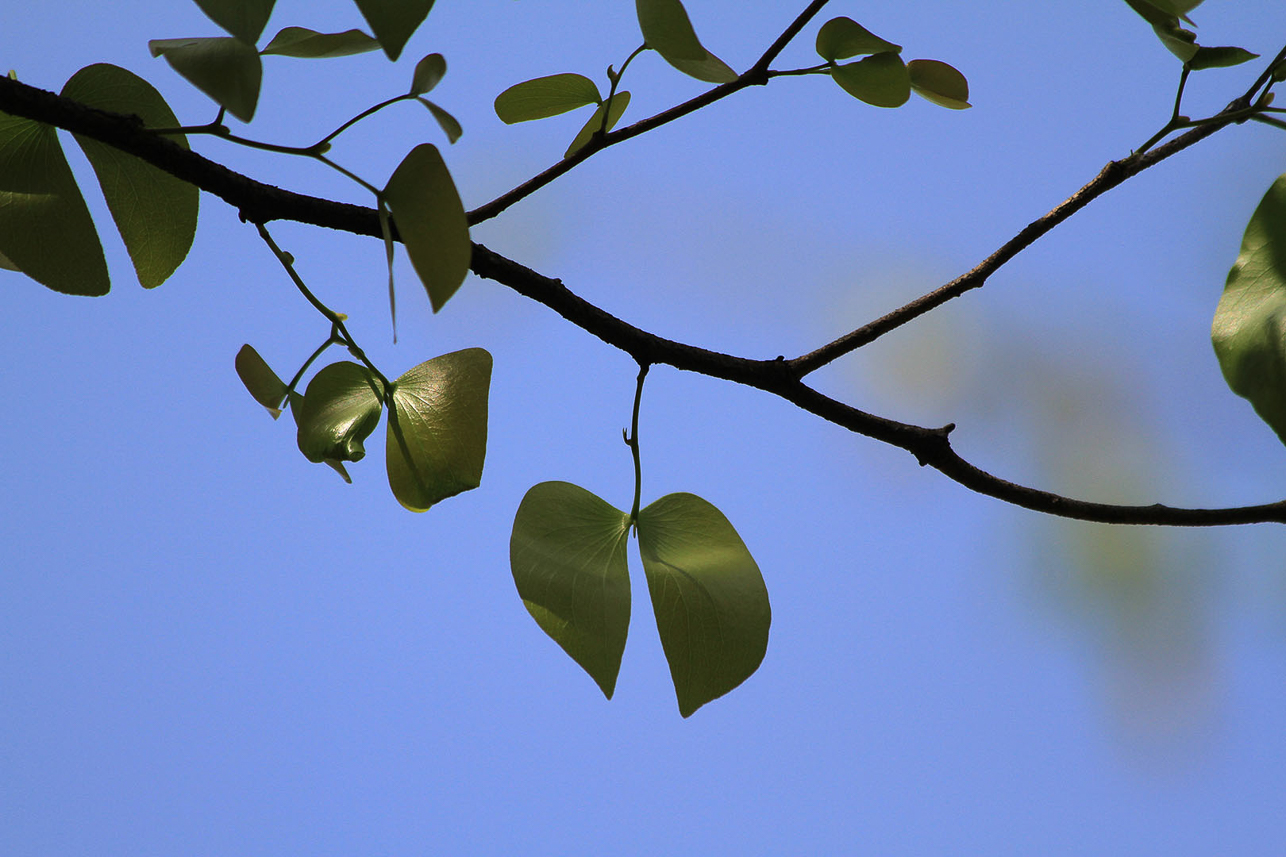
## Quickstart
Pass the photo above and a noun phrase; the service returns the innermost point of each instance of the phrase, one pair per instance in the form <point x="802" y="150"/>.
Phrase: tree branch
<point x="260" y="203"/>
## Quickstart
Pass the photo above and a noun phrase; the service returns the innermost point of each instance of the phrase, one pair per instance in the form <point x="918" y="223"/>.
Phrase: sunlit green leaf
<point x="668" y="31"/>
<point x="940" y="83"/>
<point x="620" y="101"/>
<point x="393" y="21"/>
<point x="545" y="96"/>
<point x="263" y="383"/>
<point x="841" y="38"/>
<point x="45" y="229"/>
<point x="446" y="121"/>
<point x="567" y="554"/>
<point x="710" y="600"/>
<point x="437" y="428"/>
<point x="341" y="408"/>
<point x="244" y="19"/>
<point x="1249" y="330"/>
<point x="428" y="72"/>
<point x="228" y="70"/>
<point x="296" y="408"/>
<point x="430" y="218"/>
<point x="880" y="80"/>
<point x="1222" y="57"/>
<point x="310" y="44"/>
<point x="155" y="212"/>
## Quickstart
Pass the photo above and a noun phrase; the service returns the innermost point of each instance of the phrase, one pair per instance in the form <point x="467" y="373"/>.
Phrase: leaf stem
<point x="632" y="441"/>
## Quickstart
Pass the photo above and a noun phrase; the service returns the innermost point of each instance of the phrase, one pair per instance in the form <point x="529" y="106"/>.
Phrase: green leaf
<point x="7" y="264"/>
<point x="668" y="31"/>
<point x="227" y="70"/>
<point x="341" y="408"/>
<point x="940" y="83"/>
<point x="710" y="600"/>
<point x="428" y="72"/>
<point x="297" y="407"/>
<point x="244" y="19"/>
<point x="431" y="220"/>
<point x="547" y="96"/>
<point x="567" y="554"/>
<point x="446" y="121"/>
<point x="1222" y="57"/>
<point x="263" y="383"/>
<point x="1249" y="330"/>
<point x="45" y="229"/>
<point x="155" y="213"/>
<point x="620" y="101"/>
<point x="880" y="80"/>
<point x="310" y="44"/>
<point x="1178" y="41"/>
<point x="437" y="428"/>
<point x="1176" y="7"/>
<point x="841" y="38"/>
<point x="1152" y="14"/>
<point x="393" y="21"/>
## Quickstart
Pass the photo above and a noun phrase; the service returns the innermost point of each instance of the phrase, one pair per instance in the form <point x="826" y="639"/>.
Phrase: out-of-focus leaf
<point x="341" y="408"/>
<point x="841" y="38"/>
<point x="668" y="31"/>
<point x="155" y="213"/>
<point x="880" y="80"/>
<point x="228" y="70"/>
<point x="263" y="383"/>
<point x="620" y="101"/>
<point x="446" y="121"/>
<point x="1178" y="41"/>
<point x="437" y="428"/>
<point x="428" y="72"/>
<point x="244" y="19"/>
<point x="545" y="96"/>
<point x="1249" y="329"/>
<point x="710" y="601"/>
<point x="45" y="229"/>
<point x="393" y="21"/>
<point x="310" y="44"/>
<point x="940" y="83"/>
<point x="1221" y="57"/>
<point x="1176" y="7"/>
<point x="431" y="220"/>
<point x="567" y="554"/>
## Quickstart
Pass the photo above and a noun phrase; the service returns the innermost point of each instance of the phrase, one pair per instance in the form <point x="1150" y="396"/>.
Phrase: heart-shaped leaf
<point x="841" y="38"/>
<point x="880" y="80"/>
<point x="667" y="29"/>
<point x="620" y="101"/>
<point x="45" y="229"/>
<point x="228" y="70"/>
<point x="393" y="21"/>
<point x="263" y="383"/>
<point x="1249" y="330"/>
<point x="437" y="428"/>
<point x="431" y="220"/>
<point x="546" y="96"/>
<point x="567" y="554"/>
<point x="940" y="83"/>
<point x="710" y="601"/>
<point x="341" y="408"/>
<point x="244" y="19"/>
<point x="155" y="213"/>
<point x="310" y="44"/>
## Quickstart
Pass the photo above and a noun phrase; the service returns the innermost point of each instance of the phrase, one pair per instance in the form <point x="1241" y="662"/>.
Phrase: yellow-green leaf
<point x="542" y="97"/>
<point x="841" y="38"/>
<point x="341" y="408"/>
<point x="45" y="229"/>
<point x="263" y="383"/>
<point x="620" y="101"/>
<point x="155" y="213"/>
<point x="310" y="44"/>
<point x="940" y="83"/>
<point x="567" y="555"/>
<point x="431" y="220"/>
<point x="880" y="80"/>
<point x="437" y="428"/>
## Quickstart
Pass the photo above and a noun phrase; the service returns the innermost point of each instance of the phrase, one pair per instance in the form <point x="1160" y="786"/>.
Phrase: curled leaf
<point x="341" y="408"/>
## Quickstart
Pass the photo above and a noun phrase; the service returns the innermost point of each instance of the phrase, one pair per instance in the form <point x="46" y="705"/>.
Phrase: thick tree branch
<point x="260" y="203"/>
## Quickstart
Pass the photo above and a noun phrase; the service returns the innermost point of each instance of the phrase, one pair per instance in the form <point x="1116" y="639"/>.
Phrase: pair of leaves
<point x="46" y="230"/>
<point x="568" y="557"/>
<point x="1249" y="329"/>
<point x="436" y="439"/>
<point x="1164" y="16"/>
<point x="882" y="79"/>
<point x="555" y="94"/>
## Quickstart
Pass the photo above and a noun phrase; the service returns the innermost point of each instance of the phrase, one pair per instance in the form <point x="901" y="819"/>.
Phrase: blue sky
<point x="210" y="646"/>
